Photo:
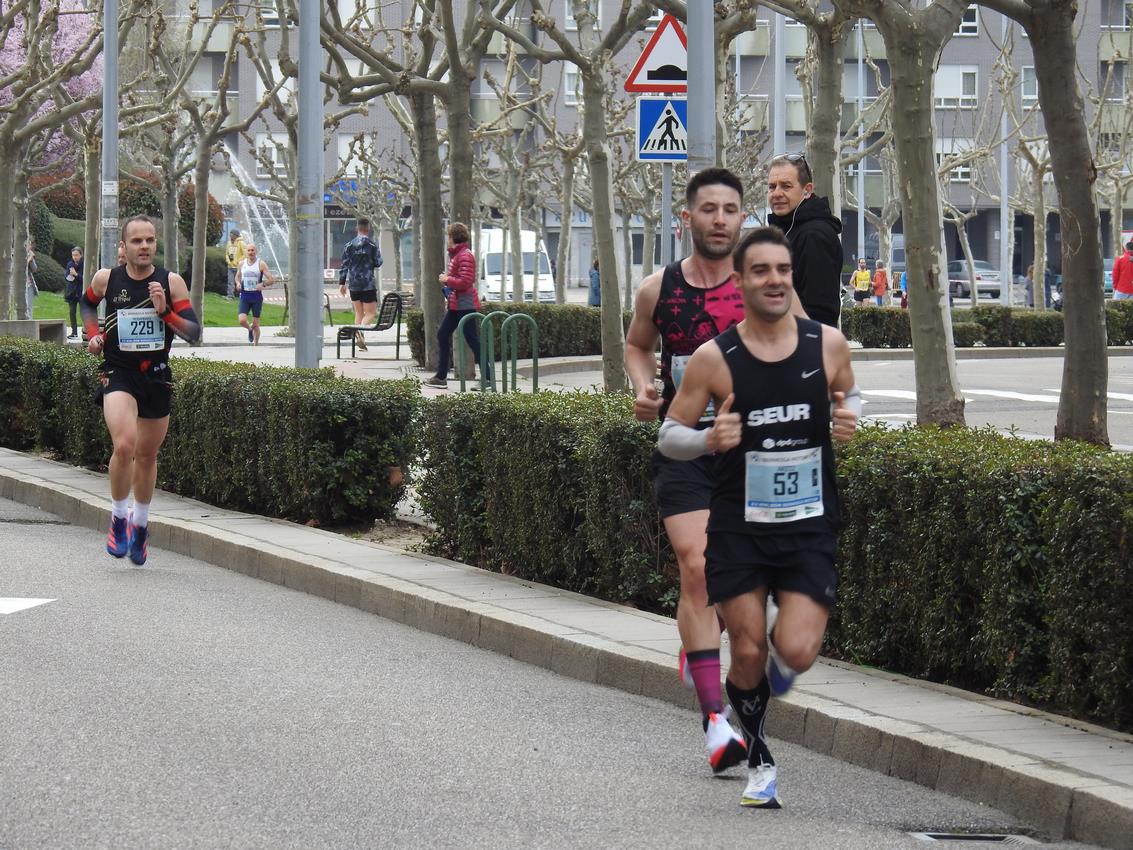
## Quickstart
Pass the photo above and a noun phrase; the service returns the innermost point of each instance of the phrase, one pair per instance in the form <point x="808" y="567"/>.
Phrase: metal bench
<point x="389" y="315"/>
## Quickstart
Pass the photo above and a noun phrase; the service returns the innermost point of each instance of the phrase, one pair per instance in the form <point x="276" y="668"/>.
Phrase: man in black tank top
<point x="782" y="386"/>
<point x="145" y="307"/>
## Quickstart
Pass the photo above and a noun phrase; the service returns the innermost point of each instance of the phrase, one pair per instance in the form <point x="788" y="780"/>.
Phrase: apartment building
<point x="967" y="100"/>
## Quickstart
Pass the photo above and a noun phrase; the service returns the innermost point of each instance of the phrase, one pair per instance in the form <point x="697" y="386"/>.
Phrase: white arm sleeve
<point x="681" y="442"/>
<point x="853" y="401"/>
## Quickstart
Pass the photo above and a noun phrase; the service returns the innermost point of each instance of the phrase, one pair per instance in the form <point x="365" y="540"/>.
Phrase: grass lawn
<point x="219" y="312"/>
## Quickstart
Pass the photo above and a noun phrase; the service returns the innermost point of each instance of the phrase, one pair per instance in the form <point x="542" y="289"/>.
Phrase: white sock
<point x="118" y="508"/>
<point x="141" y="514"/>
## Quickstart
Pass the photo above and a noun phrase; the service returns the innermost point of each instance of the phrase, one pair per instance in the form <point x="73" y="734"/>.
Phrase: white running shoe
<point x="726" y="748"/>
<point x="760" y="791"/>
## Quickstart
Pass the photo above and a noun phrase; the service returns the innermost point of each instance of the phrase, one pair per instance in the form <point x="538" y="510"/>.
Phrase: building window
<point x="1111" y="80"/>
<point x="595" y="6"/>
<point x="286" y="91"/>
<point x="947" y="149"/>
<point x="571" y="84"/>
<point x="970" y="23"/>
<point x="270" y="13"/>
<point x="270" y="158"/>
<point x="956" y="86"/>
<point x="1030" y="85"/>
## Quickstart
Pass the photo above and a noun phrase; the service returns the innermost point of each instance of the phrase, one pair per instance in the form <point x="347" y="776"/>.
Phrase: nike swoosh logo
<point x="810" y="374"/>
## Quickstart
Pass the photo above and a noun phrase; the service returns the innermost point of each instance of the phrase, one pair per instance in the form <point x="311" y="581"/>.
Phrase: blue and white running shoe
<point x="139" y="551"/>
<point x="117" y="537"/>
<point x="760" y="791"/>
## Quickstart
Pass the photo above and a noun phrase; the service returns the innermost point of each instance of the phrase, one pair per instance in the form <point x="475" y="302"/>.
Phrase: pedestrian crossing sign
<point x="662" y="129"/>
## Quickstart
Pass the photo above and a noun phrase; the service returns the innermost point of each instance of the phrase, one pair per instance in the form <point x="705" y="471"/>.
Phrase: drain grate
<point x="986" y="837"/>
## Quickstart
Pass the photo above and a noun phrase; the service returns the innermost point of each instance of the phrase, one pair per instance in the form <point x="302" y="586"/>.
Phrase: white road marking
<point x="1118" y="396"/>
<point x="12" y="604"/>
<point x="905" y="394"/>
<point x="1051" y="399"/>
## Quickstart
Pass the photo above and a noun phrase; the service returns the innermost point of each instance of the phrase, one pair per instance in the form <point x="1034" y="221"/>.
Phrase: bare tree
<point x="591" y="53"/>
<point x="1082" y="408"/>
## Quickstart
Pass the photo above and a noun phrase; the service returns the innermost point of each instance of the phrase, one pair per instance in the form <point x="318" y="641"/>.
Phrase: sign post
<point x="662" y="122"/>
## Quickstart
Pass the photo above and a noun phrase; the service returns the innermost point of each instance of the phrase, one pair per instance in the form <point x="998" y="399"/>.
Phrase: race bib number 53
<point x="783" y="486"/>
<point x="140" y="329"/>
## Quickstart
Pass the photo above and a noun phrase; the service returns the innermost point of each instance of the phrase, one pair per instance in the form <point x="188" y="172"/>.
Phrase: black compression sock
<point x="751" y="709"/>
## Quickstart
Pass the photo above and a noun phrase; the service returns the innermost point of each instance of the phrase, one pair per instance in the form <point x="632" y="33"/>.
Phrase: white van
<point x="495" y="267"/>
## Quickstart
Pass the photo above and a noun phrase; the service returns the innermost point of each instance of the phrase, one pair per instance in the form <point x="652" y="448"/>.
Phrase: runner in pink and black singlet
<point x="682" y="307"/>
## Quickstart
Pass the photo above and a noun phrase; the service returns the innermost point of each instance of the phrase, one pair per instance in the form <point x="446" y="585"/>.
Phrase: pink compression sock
<point x="704" y="664"/>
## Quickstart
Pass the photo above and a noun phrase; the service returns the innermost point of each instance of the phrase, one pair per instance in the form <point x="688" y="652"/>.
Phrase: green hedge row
<point x="991" y="563"/>
<point x="297" y="444"/>
<point x="509" y="484"/>
<point x="565" y="330"/>
<point x="888" y="327"/>
<point x="574" y="331"/>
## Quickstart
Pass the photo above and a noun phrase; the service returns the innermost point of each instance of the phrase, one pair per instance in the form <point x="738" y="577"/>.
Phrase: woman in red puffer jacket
<point x="460" y="289"/>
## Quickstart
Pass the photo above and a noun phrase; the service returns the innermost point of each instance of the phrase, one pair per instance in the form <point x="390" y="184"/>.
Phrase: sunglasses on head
<point x="790" y="157"/>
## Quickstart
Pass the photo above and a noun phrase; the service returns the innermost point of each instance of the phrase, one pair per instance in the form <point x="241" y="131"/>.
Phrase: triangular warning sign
<point x="663" y="66"/>
<point x="668" y="135"/>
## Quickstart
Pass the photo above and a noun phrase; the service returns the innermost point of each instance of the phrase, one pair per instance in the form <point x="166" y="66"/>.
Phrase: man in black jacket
<point x="813" y="231"/>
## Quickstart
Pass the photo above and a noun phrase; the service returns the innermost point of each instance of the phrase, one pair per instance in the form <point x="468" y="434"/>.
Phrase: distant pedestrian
<point x="30" y="289"/>
<point x="1123" y="274"/>
<point x="459" y="286"/>
<point x="861" y="282"/>
<point x="880" y="283"/>
<point x="595" y="298"/>
<point x="904" y="289"/>
<point x="234" y="253"/>
<point x="360" y="258"/>
<point x="1029" y="286"/>
<point x="253" y="277"/>
<point x="1048" y="285"/>
<point x="73" y="288"/>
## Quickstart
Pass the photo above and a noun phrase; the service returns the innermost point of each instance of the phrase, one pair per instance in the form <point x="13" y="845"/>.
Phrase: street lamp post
<point x="309" y="194"/>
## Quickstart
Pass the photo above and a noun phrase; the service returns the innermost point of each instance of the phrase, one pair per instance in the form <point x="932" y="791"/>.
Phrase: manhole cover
<point x="986" y="837"/>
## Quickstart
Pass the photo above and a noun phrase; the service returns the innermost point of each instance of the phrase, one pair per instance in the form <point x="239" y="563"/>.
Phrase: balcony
<point x="486" y="110"/>
<point x="1115" y="44"/>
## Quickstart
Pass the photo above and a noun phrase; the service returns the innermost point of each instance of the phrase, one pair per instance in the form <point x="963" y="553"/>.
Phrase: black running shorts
<point x="154" y="398"/>
<point x="682" y="486"/>
<point x="365" y="296"/>
<point x="740" y="563"/>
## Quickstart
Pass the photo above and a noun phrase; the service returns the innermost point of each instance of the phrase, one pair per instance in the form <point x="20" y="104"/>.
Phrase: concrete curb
<point x="1054" y="799"/>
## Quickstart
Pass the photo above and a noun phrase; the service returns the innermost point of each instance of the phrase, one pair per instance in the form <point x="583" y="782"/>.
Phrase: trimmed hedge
<point x="297" y="444"/>
<point x="216" y="270"/>
<point x="991" y="563"/>
<point x="967" y="334"/>
<point x="565" y="330"/>
<point x="41" y="227"/>
<point x="49" y="274"/>
<point x="509" y="486"/>
<point x="888" y="327"/>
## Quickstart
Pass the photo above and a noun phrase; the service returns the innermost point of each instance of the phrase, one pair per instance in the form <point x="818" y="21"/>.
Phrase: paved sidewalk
<point x="1067" y="779"/>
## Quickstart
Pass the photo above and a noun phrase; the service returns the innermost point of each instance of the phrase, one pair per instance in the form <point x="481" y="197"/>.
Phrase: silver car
<point x="987" y="279"/>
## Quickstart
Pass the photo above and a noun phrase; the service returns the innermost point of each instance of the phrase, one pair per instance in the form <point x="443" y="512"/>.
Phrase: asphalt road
<point x="180" y="705"/>
<point x="1019" y="393"/>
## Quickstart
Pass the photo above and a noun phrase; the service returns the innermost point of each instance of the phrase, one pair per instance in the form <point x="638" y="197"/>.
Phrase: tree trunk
<point x="1082" y="411"/>
<point x="292" y="264"/>
<point x="825" y="130"/>
<point x="966" y="249"/>
<point x="7" y="223"/>
<point x="170" y="217"/>
<point x="19" y="200"/>
<point x="566" y="217"/>
<point x="598" y="157"/>
<point x="627" y="251"/>
<point x="515" y="260"/>
<point x="430" y="217"/>
<point x="648" y="240"/>
<point x="397" y="233"/>
<point x="200" y="229"/>
<point x="1038" y="289"/>
<point x="912" y="62"/>
<point x="460" y="158"/>
<point x="92" y="172"/>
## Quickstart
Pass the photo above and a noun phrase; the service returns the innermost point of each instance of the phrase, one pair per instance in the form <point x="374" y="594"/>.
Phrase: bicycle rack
<point x="488" y="349"/>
